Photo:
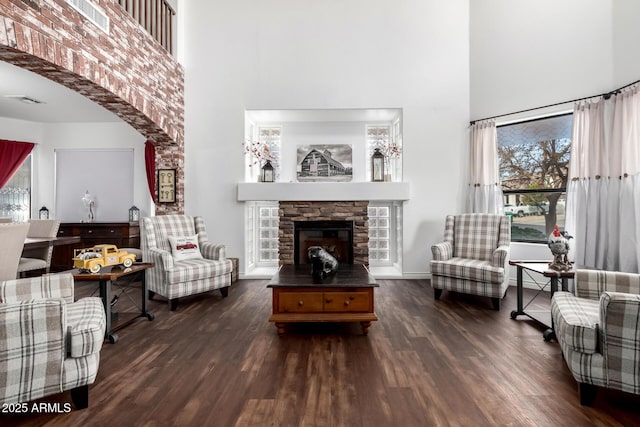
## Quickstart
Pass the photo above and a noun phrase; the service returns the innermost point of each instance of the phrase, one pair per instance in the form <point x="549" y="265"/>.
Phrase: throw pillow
<point x="185" y="247"/>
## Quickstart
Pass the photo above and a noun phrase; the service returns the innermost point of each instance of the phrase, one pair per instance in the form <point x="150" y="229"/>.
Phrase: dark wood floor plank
<point x="218" y="361"/>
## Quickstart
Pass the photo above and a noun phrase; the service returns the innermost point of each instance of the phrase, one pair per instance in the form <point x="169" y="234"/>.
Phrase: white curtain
<point x="484" y="194"/>
<point x="603" y="196"/>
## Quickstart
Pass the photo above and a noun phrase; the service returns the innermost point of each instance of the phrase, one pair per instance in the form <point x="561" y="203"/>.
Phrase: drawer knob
<point x="90" y="231"/>
<point x="300" y="302"/>
<point x="346" y="302"/>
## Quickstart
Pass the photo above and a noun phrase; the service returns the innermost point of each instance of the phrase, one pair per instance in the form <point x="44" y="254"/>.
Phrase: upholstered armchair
<point x="474" y="256"/>
<point x="598" y="329"/>
<point x="185" y="262"/>
<point x="49" y="343"/>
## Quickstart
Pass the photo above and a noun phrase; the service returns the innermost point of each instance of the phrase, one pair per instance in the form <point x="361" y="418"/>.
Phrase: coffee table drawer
<point x="300" y="302"/>
<point x="347" y="302"/>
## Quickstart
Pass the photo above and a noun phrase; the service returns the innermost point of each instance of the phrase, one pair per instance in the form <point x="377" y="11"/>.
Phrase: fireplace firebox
<point x="336" y="237"/>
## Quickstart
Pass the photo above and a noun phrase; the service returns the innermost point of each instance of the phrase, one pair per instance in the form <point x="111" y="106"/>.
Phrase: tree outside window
<point x="534" y="166"/>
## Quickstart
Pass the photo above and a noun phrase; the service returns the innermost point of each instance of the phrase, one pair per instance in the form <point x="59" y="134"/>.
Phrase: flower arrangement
<point x="391" y="150"/>
<point x="260" y="151"/>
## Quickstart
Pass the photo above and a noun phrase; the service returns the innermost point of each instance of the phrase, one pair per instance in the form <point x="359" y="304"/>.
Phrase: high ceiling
<point x="59" y="104"/>
<point x="62" y="105"/>
<point x="325" y="115"/>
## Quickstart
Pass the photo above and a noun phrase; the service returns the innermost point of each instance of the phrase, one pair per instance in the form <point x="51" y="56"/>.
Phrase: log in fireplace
<point x="336" y="237"/>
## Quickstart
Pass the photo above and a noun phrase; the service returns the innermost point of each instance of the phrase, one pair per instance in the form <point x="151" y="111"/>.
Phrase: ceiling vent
<point x="25" y="99"/>
<point x="92" y="13"/>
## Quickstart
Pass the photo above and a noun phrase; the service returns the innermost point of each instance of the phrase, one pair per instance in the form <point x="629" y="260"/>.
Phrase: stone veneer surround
<point x="356" y="211"/>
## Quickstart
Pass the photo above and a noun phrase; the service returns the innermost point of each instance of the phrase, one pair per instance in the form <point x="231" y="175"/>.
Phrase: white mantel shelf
<point x="322" y="191"/>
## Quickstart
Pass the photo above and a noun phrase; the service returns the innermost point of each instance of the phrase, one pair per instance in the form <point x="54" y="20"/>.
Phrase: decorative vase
<point x="389" y="169"/>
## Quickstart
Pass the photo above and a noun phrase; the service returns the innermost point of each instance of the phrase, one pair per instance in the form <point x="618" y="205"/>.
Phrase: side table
<point x="540" y="267"/>
<point x="234" y="272"/>
<point x="108" y="276"/>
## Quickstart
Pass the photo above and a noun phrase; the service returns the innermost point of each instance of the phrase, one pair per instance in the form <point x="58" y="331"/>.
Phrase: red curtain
<point x="12" y="154"/>
<point x="150" y="163"/>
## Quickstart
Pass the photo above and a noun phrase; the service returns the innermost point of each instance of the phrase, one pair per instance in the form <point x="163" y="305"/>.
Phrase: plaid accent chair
<point x="598" y="329"/>
<point x="172" y="278"/>
<point x="474" y="256"/>
<point x="48" y="342"/>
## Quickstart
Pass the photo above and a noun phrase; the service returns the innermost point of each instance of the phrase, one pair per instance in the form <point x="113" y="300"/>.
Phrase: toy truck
<point x="96" y="257"/>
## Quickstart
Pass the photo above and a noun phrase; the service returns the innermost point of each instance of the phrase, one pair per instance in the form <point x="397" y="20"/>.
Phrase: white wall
<point x="526" y="54"/>
<point x="50" y="136"/>
<point x="626" y="33"/>
<point x="88" y="136"/>
<point x="289" y="54"/>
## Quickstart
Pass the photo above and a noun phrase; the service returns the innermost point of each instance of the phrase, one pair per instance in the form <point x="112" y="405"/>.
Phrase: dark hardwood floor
<point x="218" y="362"/>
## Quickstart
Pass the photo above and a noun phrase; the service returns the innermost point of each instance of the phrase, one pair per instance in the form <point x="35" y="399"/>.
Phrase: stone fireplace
<point x="316" y="221"/>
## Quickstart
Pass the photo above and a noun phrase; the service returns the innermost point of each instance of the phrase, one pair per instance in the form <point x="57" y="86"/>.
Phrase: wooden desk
<point x="540" y="267"/>
<point x="43" y="242"/>
<point x="46" y="242"/>
<point x="108" y="276"/>
<point x="346" y="296"/>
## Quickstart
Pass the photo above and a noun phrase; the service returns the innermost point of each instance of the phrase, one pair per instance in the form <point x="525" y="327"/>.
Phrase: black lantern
<point x="134" y="214"/>
<point x="268" y="173"/>
<point x="377" y="166"/>
<point x="43" y="213"/>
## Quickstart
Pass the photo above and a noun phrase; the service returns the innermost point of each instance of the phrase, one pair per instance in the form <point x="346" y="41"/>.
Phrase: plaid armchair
<point x="48" y="342"/>
<point x="474" y="256"/>
<point x="598" y="329"/>
<point x="172" y="278"/>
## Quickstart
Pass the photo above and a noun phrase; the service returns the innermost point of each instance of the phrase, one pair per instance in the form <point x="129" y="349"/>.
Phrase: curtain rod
<point x="604" y="95"/>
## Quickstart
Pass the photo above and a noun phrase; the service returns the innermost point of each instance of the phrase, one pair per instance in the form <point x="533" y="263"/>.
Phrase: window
<point x="534" y="166"/>
<point x="271" y="136"/>
<point x="15" y="196"/>
<point x="268" y="223"/>
<point x="384" y="232"/>
<point x="261" y="143"/>
<point x="262" y="223"/>
<point x="389" y="140"/>
<point x="377" y="137"/>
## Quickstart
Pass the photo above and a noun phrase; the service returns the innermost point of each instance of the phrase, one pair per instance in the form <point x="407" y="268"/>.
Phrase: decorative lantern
<point x="377" y="166"/>
<point x="134" y="214"/>
<point x="268" y="173"/>
<point x="43" y="213"/>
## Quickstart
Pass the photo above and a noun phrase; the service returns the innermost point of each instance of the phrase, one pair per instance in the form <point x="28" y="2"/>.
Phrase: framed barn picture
<point x="327" y="163"/>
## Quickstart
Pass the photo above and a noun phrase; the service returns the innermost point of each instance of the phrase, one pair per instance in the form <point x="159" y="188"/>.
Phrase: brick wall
<point x="355" y="211"/>
<point x="126" y="71"/>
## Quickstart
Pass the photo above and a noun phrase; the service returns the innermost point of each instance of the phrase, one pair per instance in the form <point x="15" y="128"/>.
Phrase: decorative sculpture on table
<point x="89" y="203"/>
<point x="559" y="245"/>
<point x="322" y="263"/>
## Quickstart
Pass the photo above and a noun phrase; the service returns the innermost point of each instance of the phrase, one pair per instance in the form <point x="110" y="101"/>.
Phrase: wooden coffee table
<point x="346" y="296"/>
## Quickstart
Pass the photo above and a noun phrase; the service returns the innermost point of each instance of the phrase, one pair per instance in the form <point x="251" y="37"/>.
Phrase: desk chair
<point x="12" y="237"/>
<point x="39" y="259"/>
